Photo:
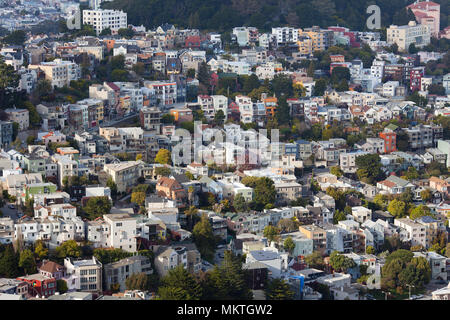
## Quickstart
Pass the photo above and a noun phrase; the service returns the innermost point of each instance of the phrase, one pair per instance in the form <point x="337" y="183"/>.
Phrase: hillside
<point x="222" y="15"/>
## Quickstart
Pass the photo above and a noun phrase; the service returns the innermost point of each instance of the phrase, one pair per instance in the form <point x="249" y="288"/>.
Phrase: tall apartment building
<point x="412" y="33"/>
<point x="427" y="13"/>
<point x="165" y="91"/>
<point x="123" y="231"/>
<point x="103" y="19"/>
<point x="150" y="119"/>
<point x="59" y="72"/>
<point x="285" y="35"/>
<point x="423" y="136"/>
<point x="415" y="232"/>
<point x="83" y="275"/>
<point x="390" y="140"/>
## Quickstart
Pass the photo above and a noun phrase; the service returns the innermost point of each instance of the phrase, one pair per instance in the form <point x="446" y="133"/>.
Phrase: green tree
<point x="61" y="286"/>
<point x="271" y="233"/>
<point x="426" y="195"/>
<point x="126" y="33"/>
<point x="97" y="207"/>
<point x="339" y="216"/>
<point x="204" y="238"/>
<point x="68" y="249"/>
<point x="16" y="37"/>
<point x="370" y="250"/>
<point x="397" y="208"/>
<point x="369" y="168"/>
<point x="219" y="117"/>
<point x="163" y="157"/>
<point x="40" y="250"/>
<point x="278" y="289"/>
<point x="420" y="211"/>
<point x="203" y="74"/>
<point x="112" y="186"/>
<point x="336" y="171"/>
<point x="137" y="281"/>
<point x="239" y="203"/>
<point x="289" y="245"/>
<point x="179" y="283"/>
<point x="315" y="260"/>
<point x="9" y="263"/>
<point x="27" y="262"/>
<point x="340" y="262"/>
<point x="227" y="281"/>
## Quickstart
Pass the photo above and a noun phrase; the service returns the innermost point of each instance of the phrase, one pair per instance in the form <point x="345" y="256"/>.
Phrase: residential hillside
<point x="225" y="14"/>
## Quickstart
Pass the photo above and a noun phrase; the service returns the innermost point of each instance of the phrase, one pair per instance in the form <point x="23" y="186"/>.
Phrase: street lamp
<point x="386" y="293"/>
<point x="410" y="290"/>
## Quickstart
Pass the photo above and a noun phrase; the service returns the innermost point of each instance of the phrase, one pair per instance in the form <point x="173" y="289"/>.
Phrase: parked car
<point x="11" y="206"/>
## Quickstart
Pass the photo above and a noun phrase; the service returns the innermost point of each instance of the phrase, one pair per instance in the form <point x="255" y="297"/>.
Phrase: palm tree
<point x="190" y="213"/>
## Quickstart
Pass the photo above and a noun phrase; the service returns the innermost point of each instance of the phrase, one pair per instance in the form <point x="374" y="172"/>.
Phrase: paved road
<point x="7" y="212"/>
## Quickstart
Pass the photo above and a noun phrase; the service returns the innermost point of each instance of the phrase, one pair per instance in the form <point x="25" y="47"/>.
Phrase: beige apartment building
<point x="124" y="174"/>
<point x="21" y="116"/>
<point x="404" y="36"/>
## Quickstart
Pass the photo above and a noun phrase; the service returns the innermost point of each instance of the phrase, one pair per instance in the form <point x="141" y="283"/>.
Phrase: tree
<point x="336" y="171"/>
<point x="426" y="195"/>
<point x="163" y="171"/>
<point x="138" y="197"/>
<point x="397" y="208"/>
<point x="106" y="32"/>
<point x="289" y="245"/>
<point x="16" y="37"/>
<point x="219" y="117"/>
<point x="420" y="211"/>
<point x="288" y="225"/>
<point x="9" y="79"/>
<point x="191" y="214"/>
<point x="126" y="33"/>
<point x="320" y="87"/>
<point x="9" y="263"/>
<point x="68" y="249"/>
<point x="239" y="203"/>
<point x="264" y="190"/>
<point x="61" y="286"/>
<point x="436" y="89"/>
<point x="190" y="73"/>
<point x="163" y="157"/>
<point x="339" y="216"/>
<point x="370" y="250"/>
<point x="204" y="238"/>
<point x="119" y="75"/>
<point x="227" y="280"/>
<point x="315" y="260"/>
<point x="340" y="262"/>
<point x="137" y="281"/>
<point x="271" y="233"/>
<point x="416" y="273"/>
<point x="278" y="289"/>
<point x="179" y="283"/>
<point x="112" y="186"/>
<point x="97" y="207"/>
<point x="27" y="262"/>
<point x="369" y="168"/>
<point x="40" y="250"/>
<point x="203" y="74"/>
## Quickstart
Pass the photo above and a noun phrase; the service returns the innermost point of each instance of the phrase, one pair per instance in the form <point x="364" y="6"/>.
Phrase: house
<point x="51" y="269"/>
<point x="169" y="258"/>
<point x="395" y="185"/>
<point x="122" y="234"/>
<point x="439" y="185"/>
<point x="317" y="234"/>
<point x="83" y="275"/>
<point x="256" y="275"/>
<point x="116" y="273"/>
<point x="437" y="264"/>
<point x="415" y="232"/>
<point x="172" y="189"/>
<point x="442" y="294"/>
<point x="124" y="174"/>
<point x="276" y="262"/>
<point x="361" y="214"/>
<point x="39" y="285"/>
